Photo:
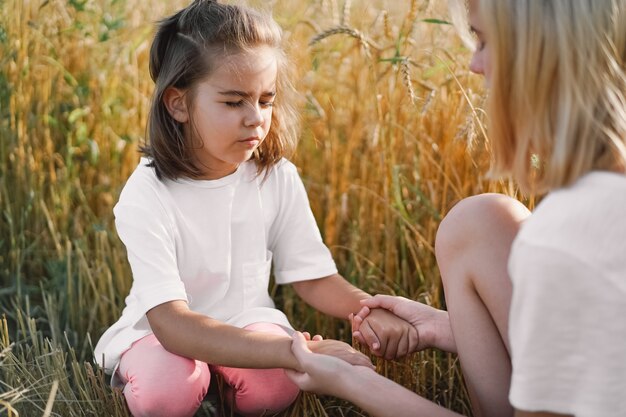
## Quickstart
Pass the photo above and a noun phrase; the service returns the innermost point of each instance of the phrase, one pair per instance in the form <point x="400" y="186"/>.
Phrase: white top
<point x="212" y="243"/>
<point x="568" y="313"/>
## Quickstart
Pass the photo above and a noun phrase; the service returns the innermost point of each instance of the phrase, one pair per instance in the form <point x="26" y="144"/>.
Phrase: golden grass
<point x="391" y="140"/>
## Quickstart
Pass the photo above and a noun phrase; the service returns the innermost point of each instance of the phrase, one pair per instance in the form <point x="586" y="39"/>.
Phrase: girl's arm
<point x="394" y="337"/>
<point x="193" y="335"/>
<point x="332" y="295"/>
<point x="375" y="394"/>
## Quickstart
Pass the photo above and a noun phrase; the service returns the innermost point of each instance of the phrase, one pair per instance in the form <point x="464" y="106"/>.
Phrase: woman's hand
<point x="432" y="325"/>
<point x="371" y="392"/>
<point x="320" y="373"/>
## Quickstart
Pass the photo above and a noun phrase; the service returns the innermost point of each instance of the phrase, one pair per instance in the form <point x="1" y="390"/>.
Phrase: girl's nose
<point x="254" y="117"/>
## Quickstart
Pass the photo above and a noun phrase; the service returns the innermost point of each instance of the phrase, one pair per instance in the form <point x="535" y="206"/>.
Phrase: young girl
<point x="536" y="305"/>
<point x="208" y="210"/>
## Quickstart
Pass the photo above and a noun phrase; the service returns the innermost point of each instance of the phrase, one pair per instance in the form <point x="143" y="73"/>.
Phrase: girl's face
<point x="232" y="111"/>
<point x="481" y="60"/>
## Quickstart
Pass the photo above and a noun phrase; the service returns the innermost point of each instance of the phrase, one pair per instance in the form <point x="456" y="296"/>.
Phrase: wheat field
<point x="392" y="137"/>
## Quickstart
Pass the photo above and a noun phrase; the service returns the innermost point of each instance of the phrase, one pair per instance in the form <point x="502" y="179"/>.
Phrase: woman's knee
<point x="476" y="217"/>
<point x="475" y="224"/>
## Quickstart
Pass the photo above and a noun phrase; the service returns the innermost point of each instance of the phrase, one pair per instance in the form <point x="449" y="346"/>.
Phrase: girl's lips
<point x="250" y="142"/>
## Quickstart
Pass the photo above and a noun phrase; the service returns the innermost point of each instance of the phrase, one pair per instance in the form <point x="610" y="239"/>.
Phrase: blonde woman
<point x="536" y="304"/>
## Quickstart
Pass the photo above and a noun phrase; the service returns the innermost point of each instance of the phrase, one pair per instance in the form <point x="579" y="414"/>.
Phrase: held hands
<point x="337" y="349"/>
<point x="387" y="335"/>
<point x="320" y="373"/>
<point x="432" y="326"/>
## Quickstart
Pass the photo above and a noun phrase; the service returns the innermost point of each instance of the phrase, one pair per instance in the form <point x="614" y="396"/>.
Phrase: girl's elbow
<point x="163" y="322"/>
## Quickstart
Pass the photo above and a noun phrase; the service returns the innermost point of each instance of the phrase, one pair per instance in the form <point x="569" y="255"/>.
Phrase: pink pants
<point x="160" y="383"/>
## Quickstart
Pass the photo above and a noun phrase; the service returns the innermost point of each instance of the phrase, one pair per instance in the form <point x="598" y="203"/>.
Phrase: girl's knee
<point x="177" y="392"/>
<point x="160" y="383"/>
<point x="256" y="392"/>
<point x="264" y="391"/>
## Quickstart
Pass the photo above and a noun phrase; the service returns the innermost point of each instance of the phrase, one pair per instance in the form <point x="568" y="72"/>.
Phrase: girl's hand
<point x="307" y="336"/>
<point x="385" y="334"/>
<point x="356" y="320"/>
<point x="372" y="342"/>
<point x="339" y="350"/>
<point x="432" y="325"/>
<point x="320" y="372"/>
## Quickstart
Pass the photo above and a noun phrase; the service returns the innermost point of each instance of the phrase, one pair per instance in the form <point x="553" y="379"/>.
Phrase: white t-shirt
<point x="568" y="312"/>
<point x="212" y="243"/>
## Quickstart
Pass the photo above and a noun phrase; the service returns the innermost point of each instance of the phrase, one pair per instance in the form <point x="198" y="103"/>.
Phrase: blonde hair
<point x="186" y="48"/>
<point x="557" y="105"/>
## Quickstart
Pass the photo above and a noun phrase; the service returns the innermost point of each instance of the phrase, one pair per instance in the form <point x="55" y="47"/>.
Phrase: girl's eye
<point x="240" y="103"/>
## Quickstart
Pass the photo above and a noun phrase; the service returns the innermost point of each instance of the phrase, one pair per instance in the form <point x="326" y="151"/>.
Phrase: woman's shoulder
<point x="581" y="217"/>
<point x="596" y="195"/>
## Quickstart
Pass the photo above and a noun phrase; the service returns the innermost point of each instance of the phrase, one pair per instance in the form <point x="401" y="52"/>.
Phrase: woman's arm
<point x="193" y="335"/>
<point x="370" y="391"/>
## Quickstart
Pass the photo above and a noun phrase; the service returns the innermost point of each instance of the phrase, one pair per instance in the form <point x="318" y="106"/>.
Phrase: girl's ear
<point x="176" y="105"/>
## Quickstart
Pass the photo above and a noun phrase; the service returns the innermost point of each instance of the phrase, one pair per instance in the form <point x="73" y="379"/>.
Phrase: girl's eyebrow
<point x="246" y="95"/>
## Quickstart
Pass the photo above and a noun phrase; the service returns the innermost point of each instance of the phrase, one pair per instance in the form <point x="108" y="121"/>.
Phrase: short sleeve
<point x="151" y="249"/>
<point x="295" y="240"/>
<point x="567" y="333"/>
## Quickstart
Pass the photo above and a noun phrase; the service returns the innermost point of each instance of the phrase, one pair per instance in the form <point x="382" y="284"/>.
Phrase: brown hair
<point x="185" y="49"/>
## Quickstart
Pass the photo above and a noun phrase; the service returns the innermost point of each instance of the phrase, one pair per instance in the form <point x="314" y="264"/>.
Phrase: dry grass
<point x="391" y="140"/>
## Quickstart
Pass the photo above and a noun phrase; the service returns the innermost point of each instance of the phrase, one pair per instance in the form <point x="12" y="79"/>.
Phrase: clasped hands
<point x="391" y="327"/>
<point x="384" y="333"/>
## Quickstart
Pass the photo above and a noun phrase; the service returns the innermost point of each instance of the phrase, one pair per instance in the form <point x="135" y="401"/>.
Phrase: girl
<point x="207" y="211"/>
<point x="535" y="304"/>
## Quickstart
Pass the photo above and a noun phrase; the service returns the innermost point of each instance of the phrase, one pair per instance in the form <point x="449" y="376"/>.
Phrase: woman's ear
<point x="176" y="105"/>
